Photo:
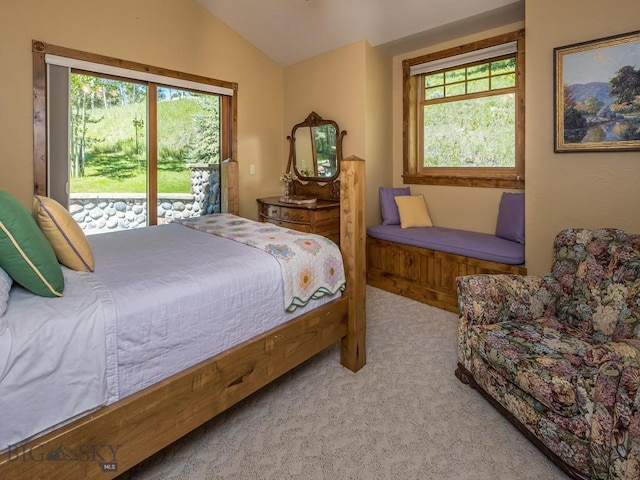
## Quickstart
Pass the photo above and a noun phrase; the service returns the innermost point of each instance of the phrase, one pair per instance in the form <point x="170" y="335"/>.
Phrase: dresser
<point x="321" y="217"/>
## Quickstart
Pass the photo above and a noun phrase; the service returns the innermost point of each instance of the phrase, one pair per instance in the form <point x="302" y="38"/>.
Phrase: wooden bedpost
<point x="230" y="189"/>
<point x="352" y="244"/>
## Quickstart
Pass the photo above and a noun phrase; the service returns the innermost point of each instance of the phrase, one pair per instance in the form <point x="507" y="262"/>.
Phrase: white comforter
<point x="53" y="356"/>
<point x="182" y="296"/>
<point x="161" y="299"/>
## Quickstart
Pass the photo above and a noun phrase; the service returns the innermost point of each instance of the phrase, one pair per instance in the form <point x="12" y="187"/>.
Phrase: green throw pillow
<point x="25" y="253"/>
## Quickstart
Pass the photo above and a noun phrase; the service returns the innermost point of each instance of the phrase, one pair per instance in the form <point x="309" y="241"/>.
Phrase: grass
<point x="470" y="133"/>
<point x="118" y="173"/>
<point x="168" y="182"/>
<point x="112" y="164"/>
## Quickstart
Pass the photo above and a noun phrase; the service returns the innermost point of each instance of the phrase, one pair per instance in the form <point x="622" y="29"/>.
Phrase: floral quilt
<point x="311" y="265"/>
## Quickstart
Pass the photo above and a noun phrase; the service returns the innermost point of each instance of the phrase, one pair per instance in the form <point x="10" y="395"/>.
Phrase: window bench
<point x="423" y="263"/>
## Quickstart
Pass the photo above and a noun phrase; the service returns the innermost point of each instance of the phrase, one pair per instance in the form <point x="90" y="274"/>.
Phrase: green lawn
<point x="117" y="173"/>
<point x="114" y="166"/>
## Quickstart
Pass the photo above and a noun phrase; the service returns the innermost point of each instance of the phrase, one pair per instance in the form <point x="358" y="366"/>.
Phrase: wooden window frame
<point x="414" y="172"/>
<point x="229" y="121"/>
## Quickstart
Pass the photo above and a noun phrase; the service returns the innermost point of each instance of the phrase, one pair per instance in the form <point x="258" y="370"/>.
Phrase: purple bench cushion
<point x="461" y="242"/>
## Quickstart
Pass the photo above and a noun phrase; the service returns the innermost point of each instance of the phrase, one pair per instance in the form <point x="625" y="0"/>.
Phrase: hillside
<point x="583" y="91"/>
<point x="116" y="159"/>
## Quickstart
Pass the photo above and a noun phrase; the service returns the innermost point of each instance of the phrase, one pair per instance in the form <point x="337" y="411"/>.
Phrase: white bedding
<point x="161" y="299"/>
<point x="176" y="296"/>
<point x="53" y="356"/>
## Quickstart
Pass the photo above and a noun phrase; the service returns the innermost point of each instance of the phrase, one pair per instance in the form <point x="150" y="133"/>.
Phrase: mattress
<point x="182" y="296"/>
<point x="161" y="299"/>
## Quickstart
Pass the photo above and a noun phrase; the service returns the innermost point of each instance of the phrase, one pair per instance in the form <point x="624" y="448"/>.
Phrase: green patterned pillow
<point x="25" y="253"/>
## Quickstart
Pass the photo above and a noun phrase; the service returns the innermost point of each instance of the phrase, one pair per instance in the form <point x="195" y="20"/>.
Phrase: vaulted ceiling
<point x="289" y="31"/>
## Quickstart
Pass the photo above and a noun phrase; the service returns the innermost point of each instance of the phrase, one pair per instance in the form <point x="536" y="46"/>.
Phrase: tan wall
<point x="379" y="142"/>
<point x="586" y="190"/>
<point x="351" y="86"/>
<point x="467" y="208"/>
<point x="174" y="34"/>
<point x="330" y="84"/>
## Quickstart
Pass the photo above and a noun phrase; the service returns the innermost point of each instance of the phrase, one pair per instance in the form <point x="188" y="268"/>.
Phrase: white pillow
<point x="5" y="286"/>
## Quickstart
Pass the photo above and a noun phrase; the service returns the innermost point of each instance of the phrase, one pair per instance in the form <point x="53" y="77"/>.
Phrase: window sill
<point x="516" y="183"/>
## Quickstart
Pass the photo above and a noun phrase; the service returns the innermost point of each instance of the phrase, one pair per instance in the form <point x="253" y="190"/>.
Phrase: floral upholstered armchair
<point x="559" y="355"/>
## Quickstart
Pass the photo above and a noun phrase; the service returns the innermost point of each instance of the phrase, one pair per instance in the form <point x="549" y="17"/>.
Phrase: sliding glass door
<point x="140" y="153"/>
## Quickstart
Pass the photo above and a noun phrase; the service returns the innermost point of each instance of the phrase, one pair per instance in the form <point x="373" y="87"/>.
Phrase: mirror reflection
<point x="316" y="149"/>
<point x="316" y="153"/>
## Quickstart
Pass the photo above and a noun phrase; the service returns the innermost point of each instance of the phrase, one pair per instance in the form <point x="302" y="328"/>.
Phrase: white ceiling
<point x="289" y="31"/>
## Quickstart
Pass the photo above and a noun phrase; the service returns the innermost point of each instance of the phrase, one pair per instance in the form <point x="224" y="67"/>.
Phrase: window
<point x="111" y="137"/>
<point x="464" y="115"/>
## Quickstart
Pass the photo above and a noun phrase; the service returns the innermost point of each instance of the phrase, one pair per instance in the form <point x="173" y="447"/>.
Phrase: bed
<point x="156" y="391"/>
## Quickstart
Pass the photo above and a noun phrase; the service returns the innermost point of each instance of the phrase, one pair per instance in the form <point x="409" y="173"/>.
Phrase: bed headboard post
<point x="352" y="244"/>
<point x="230" y="191"/>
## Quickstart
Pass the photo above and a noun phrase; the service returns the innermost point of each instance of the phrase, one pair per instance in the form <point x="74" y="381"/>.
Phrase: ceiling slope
<point x="289" y="31"/>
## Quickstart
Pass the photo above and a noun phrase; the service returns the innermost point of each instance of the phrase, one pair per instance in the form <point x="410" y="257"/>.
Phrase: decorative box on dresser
<point x="321" y="217"/>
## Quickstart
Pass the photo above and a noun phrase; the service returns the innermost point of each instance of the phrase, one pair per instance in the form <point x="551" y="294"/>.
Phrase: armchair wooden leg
<point x="464" y="376"/>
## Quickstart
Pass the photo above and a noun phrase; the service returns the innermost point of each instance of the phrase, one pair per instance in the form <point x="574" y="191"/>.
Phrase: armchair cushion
<point x="606" y="312"/>
<point x="540" y="356"/>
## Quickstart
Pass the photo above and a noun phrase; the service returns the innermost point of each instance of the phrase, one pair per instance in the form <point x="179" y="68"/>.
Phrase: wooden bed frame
<point x="425" y="275"/>
<point x="111" y="440"/>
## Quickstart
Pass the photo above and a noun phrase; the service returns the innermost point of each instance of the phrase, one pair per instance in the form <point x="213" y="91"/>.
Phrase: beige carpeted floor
<point x="403" y="416"/>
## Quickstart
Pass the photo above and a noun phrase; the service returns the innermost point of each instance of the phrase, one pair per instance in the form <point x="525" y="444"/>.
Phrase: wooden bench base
<point x="425" y="275"/>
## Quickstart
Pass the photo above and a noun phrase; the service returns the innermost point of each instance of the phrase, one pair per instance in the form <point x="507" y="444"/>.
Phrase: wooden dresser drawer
<point x="287" y="214"/>
<point x="293" y="226"/>
<point x="322" y="218"/>
<point x="271" y="211"/>
<point x="328" y="215"/>
<point x="295" y="215"/>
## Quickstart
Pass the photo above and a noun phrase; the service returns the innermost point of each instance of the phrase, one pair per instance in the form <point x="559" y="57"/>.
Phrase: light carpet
<point x="403" y="416"/>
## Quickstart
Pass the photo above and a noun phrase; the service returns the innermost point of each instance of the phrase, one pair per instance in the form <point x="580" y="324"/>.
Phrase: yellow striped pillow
<point x="64" y="234"/>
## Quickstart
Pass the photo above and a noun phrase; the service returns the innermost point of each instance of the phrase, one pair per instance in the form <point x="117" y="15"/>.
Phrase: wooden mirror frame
<point x="314" y="120"/>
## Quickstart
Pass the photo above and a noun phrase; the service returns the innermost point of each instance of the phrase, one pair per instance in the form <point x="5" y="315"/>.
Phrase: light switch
<point x="252" y="169"/>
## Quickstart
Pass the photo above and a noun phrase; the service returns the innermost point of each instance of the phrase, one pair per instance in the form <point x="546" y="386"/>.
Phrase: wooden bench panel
<point x="428" y="276"/>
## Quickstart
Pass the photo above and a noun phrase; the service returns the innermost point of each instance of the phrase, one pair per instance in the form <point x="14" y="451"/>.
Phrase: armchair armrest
<point x="607" y="395"/>
<point x="487" y="299"/>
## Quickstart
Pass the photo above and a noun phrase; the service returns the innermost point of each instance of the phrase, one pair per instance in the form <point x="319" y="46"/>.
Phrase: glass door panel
<point x="108" y="153"/>
<point x="188" y="128"/>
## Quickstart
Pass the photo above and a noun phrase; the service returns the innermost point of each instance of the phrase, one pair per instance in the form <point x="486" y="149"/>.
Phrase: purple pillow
<point x="510" y="224"/>
<point x="388" y="207"/>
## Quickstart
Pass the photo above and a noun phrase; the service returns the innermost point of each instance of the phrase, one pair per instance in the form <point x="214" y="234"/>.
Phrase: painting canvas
<point x="597" y="95"/>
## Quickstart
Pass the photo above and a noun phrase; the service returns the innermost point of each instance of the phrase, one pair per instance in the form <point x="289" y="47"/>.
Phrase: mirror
<point x="315" y="149"/>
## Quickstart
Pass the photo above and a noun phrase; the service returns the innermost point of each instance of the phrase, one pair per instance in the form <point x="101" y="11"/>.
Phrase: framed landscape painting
<point x="597" y="95"/>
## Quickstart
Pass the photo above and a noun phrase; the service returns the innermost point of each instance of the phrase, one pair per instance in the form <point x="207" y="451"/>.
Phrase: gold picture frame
<point x="597" y="95"/>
